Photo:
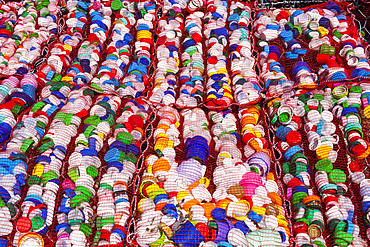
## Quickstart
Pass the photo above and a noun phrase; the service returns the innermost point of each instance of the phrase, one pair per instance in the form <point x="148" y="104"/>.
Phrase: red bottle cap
<point x="356" y="166"/>
<point x="299" y="227"/>
<point x="294" y="138"/>
<point x="358" y="150"/>
<point x="197" y="37"/>
<point x="24" y="224"/>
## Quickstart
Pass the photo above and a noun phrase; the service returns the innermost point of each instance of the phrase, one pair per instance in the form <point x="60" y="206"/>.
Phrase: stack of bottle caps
<point x="243" y="76"/>
<point x="169" y="33"/>
<point x="158" y="185"/>
<point x="137" y="79"/>
<point x="113" y="206"/>
<point x="218" y="89"/>
<point x="45" y="181"/>
<point x="192" y="73"/>
<point x="75" y="210"/>
<point x="246" y="192"/>
<point x="113" y="69"/>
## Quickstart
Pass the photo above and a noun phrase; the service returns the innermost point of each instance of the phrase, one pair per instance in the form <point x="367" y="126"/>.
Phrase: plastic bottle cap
<point x="24" y="224"/>
<point x="294" y="138"/>
<point x="337" y="176"/>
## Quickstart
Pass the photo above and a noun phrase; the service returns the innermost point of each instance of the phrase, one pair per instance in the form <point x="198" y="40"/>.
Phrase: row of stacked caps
<point x="65" y="108"/>
<point x="137" y="78"/>
<point x="344" y="102"/>
<point x="114" y="200"/>
<point x="165" y="134"/>
<point x="307" y="218"/>
<point x="8" y="18"/>
<point x="13" y="26"/>
<point x="17" y="102"/>
<point x="169" y="37"/>
<point x="244" y="79"/>
<point x="114" y="68"/>
<point x="317" y="108"/>
<point x="9" y="13"/>
<point x="166" y="203"/>
<point x="170" y="43"/>
<point x="59" y="58"/>
<point x="75" y="210"/>
<point x="192" y="72"/>
<point x="331" y="173"/>
<point x="158" y="163"/>
<point x="23" y="33"/>
<point x="218" y="84"/>
<point x="156" y="184"/>
<point x="259" y="207"/>
<point x="192" y="77"/>
<point x="33" y="46"/>
<point x="346" y="107"/>
<point x="348" y="103"/>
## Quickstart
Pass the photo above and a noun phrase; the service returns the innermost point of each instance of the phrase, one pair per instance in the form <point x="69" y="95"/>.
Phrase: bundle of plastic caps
<point x="76" y="23"/>
<point x="158" y="185"/>
<point x="45" y="179"/>
<point x="85" y="64"/>
<point x="320" y="130"/>
<point x="244" y="78"/>
<point x="8" y="17"/>
<point x="245" y="192"/>
<point x="113" y="69"/>
<point x="192" y="72"/>
<point x="75" y="210"/>
<point x="113" y="208"/>
<point x="13" y="162"/>
<point x="219" y="93"/>
<point x="325" y="28"/>
<point x="273" y="73"/>
<point x="23" y="31"/>
<point x="60" y="54"/>
<point x="275" y="80"/>
<point x="18" y="101"/>
<point x="32" y="47"/>
<point x="137" y="80"/>
<point x="347" y="108"/>
<point x="169" y="33"/>
<point x="330" y="175"/>
<point x="308" y="221"/>
<point x="27" y="135"/>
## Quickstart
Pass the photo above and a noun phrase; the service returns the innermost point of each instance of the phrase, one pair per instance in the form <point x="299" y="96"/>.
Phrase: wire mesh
<point x="361" y="10"/>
